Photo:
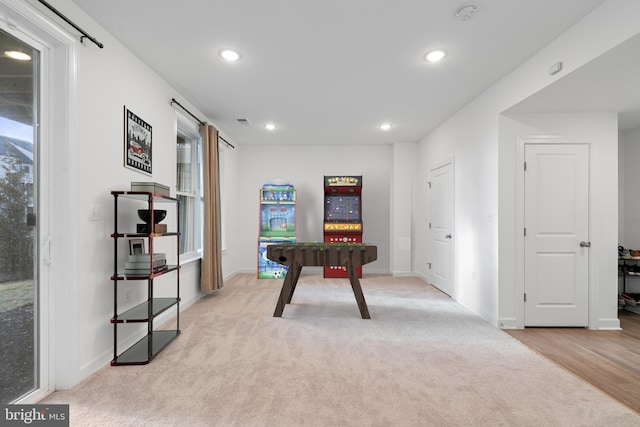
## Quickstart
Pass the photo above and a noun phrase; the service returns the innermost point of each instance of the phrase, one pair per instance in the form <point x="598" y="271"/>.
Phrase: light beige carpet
<point x="421" y="360"/>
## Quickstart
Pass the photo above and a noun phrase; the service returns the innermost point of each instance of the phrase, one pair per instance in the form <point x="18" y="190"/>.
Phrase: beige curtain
<point x="211" y="269"/>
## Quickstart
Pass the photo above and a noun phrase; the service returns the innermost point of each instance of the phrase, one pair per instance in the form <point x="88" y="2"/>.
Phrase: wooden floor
<point x="610" y="360"/>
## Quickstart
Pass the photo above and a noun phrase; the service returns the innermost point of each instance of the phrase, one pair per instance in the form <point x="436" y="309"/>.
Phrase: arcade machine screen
<point x="278" y="221"/>
<point x="343" y="208"/>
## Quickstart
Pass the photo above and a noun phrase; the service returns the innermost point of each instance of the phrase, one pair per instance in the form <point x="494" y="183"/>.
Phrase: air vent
<point x="467" y="12"/>
<point x="243" y="121"/>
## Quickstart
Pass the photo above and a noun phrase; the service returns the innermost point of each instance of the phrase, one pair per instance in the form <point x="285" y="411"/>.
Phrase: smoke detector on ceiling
<point x="467" y="12"/>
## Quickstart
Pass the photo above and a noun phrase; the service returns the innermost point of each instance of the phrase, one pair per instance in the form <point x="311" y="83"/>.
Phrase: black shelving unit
<point x="624" y="271"/>
<point x="154" y="341"/>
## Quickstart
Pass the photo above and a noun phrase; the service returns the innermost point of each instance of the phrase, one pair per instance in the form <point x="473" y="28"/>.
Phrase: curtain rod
<point x="225" y="141"/>
<point x="173" y="101"/>
<point x="68" y="21"/>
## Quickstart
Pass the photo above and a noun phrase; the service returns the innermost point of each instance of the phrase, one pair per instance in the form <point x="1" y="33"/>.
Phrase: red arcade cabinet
<point x="342" y="215"/>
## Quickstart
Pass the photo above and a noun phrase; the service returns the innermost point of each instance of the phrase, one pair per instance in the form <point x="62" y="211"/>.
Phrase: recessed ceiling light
<point x="435" y="55"/>
<point x="20" y="56"/>
<point x="269" y="126"/>
<point x="385" y="126"/>
<point x="229" y="55"/>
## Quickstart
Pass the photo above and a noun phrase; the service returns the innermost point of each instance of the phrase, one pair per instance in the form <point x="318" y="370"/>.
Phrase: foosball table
<point x="297" y="255"/>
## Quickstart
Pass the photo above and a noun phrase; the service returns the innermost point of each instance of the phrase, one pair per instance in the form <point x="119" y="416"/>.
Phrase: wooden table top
<point x="322" y="254"/>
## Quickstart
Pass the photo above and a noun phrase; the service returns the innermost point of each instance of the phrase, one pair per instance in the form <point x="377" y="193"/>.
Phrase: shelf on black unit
<point x="122" y="276"/>
<point x="632" y="308"/>
<point x="143" y="235"/>
<point x="138" y="354"/>
<point x="140" y="313"/>
<point x="144" y="196"/>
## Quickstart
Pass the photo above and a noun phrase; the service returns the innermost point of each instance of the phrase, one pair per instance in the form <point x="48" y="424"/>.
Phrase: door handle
<point x="447" y="236"/>
<point x="584" y="244"/>
<point x="47" y="251"/>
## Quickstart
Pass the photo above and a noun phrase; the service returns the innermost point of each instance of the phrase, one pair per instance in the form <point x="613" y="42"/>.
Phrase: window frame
<point x="189" y="131"/>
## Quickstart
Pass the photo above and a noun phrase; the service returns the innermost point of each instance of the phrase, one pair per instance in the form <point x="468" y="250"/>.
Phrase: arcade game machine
<point x="277" y="224"/>
<point x="342" y="215"/>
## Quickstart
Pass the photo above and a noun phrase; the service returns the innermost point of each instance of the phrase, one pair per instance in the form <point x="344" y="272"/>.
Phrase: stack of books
<point x="140" y="264"/>
<point x="151" y="187"/>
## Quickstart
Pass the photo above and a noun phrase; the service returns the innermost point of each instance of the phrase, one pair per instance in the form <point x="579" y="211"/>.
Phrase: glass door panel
<point x="18" y="231"/>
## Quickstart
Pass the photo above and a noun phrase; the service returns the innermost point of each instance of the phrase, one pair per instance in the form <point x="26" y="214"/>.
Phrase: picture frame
<point x="136" y="246"/>
<point x="137" y="143"/>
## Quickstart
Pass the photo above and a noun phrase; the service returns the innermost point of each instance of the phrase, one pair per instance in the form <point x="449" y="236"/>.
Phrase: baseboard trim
<point x="508" y="323"/>
<point x="423" y="277"/>
<point x="403" y="274"/>
<point x="608" y="325"/>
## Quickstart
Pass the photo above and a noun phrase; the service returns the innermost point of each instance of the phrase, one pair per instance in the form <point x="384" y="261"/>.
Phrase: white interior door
<point x="441" y="227"/>
<point x="556" y="234"/>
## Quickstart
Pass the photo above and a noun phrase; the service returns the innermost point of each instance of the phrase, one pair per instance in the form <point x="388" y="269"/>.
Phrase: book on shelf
<point x="151" y="187"/>
<point x="158" y="256"/>
<point x="145" y="264"/>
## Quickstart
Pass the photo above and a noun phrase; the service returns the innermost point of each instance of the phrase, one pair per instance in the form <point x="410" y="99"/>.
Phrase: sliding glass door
<point x="19" y="285"/>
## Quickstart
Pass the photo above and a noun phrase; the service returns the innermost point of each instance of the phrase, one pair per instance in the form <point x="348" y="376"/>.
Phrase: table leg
<point x="296" y="275"/>
<point x="357" y="290"/>
<point x="288" y="286"/>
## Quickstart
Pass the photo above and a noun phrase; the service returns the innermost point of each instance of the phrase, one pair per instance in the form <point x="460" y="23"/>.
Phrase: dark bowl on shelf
<point x="158" y="215"/>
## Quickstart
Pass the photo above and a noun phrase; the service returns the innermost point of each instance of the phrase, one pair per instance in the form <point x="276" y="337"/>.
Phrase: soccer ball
<point x="277" y="274"/>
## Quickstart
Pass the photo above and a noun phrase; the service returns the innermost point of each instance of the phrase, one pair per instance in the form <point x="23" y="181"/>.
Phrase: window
<point x="189" y="189"/>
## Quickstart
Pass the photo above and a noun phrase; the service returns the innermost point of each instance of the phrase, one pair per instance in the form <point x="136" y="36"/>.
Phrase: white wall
<point x="471" y="137"/>
<point x="404" y="167"/>
<point x="231" y="168"/>
<point x="304" y="167"/>
<point x="630" y="189"/>
<point x="629" y="201"/>
<point x="622" y="138"/>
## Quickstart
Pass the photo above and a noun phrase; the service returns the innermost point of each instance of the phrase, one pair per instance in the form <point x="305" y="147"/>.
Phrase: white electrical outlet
<point x="95" y="213"/>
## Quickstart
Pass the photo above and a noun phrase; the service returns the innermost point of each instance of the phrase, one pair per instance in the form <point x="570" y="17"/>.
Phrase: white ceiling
<point x="609" y="83"/>
<point x="329" y="72"/>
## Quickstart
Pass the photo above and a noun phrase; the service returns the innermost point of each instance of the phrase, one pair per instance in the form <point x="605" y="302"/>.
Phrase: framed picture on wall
<point x="137" y="143"/>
